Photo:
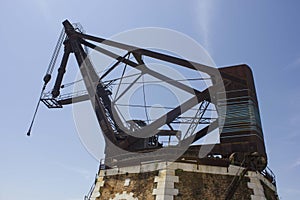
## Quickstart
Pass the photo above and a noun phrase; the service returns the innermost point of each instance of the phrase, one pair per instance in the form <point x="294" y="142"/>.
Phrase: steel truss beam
<point x="74" y="43"/>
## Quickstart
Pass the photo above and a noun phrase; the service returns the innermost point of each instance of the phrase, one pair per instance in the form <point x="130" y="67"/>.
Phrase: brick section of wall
<point x="195" y="186"/>
<point x="269" y="193"/>
<point x="141" y="185"/>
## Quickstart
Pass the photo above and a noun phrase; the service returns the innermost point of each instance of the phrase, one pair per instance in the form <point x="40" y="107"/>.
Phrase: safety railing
<point x="89" y="194"/>
<point x="268" y="174"/>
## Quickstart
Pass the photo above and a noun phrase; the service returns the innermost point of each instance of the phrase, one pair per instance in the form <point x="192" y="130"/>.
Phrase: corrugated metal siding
<point x="241" y="115"/>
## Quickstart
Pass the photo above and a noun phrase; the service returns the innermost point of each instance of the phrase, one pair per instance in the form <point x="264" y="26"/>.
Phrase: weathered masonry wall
<point x="139" y="184"/>
<point x="208" y="186"/>
<point x="179" y="181"/>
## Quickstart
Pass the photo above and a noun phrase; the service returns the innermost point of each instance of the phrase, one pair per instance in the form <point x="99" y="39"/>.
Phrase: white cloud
<point x="205" y="12"/>
<point x="296" y="164"/>
<point x="83" y="172"/>
<point x="74" y="199"/>
<point x="43" y="5"/>
<point x="293" y="65"/>
<point x="44" y="8"/>
<point x="291" y="191"/>
<point x="294" y="120"/>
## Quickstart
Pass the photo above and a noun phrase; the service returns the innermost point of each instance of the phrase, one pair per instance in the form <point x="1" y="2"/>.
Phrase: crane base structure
<point x="178" y="181"/>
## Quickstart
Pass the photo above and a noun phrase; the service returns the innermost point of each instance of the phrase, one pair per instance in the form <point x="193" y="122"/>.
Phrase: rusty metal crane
<point x="235" y="104"/>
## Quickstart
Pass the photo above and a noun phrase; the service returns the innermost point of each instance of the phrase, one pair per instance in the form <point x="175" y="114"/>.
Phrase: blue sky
<point x="52" y="164"/>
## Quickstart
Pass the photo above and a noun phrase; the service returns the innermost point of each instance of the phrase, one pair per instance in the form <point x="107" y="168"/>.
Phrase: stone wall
<point x="269" y="193"/>
<point x="179" y="181"/>
<point x="195" y="186"/>
<point x="139" y="185"/>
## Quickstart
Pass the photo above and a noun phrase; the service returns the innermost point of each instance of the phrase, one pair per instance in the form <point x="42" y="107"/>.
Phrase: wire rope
<point x="144" y="99"/>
